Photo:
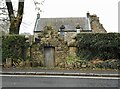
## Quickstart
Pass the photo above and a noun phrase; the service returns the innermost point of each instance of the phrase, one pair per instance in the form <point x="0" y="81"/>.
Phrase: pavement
<point x="60" y="72"/>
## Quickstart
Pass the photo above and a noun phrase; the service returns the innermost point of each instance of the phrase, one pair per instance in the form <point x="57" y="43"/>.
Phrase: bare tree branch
<point x="37" y="5"/>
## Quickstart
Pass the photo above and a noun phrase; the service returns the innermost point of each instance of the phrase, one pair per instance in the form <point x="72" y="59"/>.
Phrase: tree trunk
<point x="15" y="22"/>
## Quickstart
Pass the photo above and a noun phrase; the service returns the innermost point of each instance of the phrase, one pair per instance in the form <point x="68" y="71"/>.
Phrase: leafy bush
<point x="72" y="59"/>
<point x="14" y="46"/>
<point x="109" y="64"/>
<point x="98" y="45"/>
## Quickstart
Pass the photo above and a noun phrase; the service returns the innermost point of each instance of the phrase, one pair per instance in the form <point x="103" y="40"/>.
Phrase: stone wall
<point x="61" y="52"/>
<point x="95" y="24"/>
<point x="50" y="37"/>
<point x="72" y="51"/>
<point x="68" y="36"/>
<point x="37" y="55"/>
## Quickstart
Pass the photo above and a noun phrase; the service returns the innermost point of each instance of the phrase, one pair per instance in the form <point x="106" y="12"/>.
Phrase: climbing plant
<point x="98" y="45"/>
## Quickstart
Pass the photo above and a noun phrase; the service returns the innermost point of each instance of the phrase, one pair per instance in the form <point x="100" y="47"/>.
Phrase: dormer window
<point x="62" y="27"/>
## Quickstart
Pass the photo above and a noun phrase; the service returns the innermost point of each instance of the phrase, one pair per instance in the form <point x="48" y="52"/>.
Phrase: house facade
<point x="56" y="37"/>
<point x="70" y="25"/>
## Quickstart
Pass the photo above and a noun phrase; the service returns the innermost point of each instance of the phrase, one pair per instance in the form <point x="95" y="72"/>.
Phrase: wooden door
<point x="49" y="56"/>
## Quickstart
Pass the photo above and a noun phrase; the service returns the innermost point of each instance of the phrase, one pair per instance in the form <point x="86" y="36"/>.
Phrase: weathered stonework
<point x="61" y="52"/>
<point x="37" y="56"/>
<point x="50" y="38"/>
<point x="72" y="51"/>
<point x="95" y="24"/>
<point x="69" y="36"/>
<point x="8" y="62"/>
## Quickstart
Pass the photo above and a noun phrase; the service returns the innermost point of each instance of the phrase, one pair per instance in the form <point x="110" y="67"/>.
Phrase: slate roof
<point x="69" y="23"/>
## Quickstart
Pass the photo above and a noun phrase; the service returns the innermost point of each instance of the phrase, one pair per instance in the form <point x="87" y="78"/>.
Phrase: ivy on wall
<point x="98" y="45"/>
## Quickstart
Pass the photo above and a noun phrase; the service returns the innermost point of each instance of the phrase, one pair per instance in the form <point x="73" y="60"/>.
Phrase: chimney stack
<point x="88" y="14"/>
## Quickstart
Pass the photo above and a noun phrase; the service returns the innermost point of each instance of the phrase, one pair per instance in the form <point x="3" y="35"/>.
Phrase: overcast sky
<point x="107" y="10"/>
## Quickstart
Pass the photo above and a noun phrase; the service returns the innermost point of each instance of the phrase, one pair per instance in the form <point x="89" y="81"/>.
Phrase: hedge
<point x="14" y="46"/>
<point x="98" y="45"/>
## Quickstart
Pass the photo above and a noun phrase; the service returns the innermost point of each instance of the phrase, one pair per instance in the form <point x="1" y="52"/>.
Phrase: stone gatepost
<point x="8" y="62"/>
<point x="28" y="63"/>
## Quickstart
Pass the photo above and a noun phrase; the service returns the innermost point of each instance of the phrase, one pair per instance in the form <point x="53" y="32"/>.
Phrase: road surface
<point x="57" y="81"/>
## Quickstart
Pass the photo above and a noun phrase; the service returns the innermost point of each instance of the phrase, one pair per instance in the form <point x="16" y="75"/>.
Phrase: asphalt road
<point x="42" y="81"/>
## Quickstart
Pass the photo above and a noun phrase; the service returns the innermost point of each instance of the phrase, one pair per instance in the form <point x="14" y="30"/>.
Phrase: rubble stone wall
<point x="37" y="55"/>
<point x="96" y="26"/>
<point x="68" y="36"/>
<point x="50" y="37"/>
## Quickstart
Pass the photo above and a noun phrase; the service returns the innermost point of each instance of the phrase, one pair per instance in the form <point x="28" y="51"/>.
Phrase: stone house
<point x="67" y="26"/>
<point x="58" y="41"/>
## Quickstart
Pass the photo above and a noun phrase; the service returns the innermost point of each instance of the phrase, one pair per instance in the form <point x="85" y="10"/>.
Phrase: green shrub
<point x="98" y="45"/>
<point x="108" y="64"/>
<point x="14" y="46"/>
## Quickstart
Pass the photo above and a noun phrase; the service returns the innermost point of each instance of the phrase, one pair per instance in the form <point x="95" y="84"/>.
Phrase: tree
<point x="6" y="10"/>
<point x="4" y="23"/>
<point x="15" y="21"/>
